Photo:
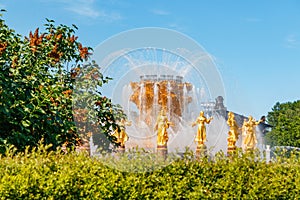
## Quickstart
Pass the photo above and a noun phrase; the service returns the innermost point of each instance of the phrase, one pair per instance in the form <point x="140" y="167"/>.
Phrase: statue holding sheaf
<point x="233" y="133"/>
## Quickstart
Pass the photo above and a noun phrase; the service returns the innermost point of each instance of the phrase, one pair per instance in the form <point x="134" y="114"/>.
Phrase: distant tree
<point x="47" y="89"/>
<point x="285" y="119"/>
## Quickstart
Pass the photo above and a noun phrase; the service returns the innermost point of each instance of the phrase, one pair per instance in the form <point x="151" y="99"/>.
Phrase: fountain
<point x="173" y="73"/>
<point x="145" y="99"/>
<point x="149" y="79"/>
<point x="157" y="69"/>
<point x="165" y="91"/>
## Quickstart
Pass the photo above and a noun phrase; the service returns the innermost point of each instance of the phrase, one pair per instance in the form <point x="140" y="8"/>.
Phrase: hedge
<point x="41" y="174"/>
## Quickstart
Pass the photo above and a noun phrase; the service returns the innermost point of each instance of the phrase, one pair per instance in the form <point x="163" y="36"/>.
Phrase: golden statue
<point x="233" y="133"/>
<point x="201" y="132"/>
<point x="121" y="135"/>
<point x="162" y="124"/>
<point x="244" y="132"/>
<point x="250" y="139"/>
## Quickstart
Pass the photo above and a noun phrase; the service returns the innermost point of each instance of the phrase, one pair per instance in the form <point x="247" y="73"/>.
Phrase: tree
<point x="38" y="77"/>
<point x="285" y="119"/>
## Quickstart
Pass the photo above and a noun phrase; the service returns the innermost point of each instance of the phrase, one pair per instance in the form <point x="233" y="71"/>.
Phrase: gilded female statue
<point x="250" y="140"/>
<point x="233" y="133"/>
<point x="201" y="132"/>
<point x="162" y="124"/>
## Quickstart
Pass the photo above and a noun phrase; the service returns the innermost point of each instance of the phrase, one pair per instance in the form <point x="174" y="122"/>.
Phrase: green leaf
<point x="25" y="123"/>
<point x="49" y="20"/>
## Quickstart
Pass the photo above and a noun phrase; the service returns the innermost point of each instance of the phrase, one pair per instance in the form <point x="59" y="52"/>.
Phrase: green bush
<point x="42" y="175"/>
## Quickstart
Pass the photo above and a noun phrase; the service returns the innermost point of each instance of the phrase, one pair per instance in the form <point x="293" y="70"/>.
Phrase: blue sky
<point x="256" y="43"/>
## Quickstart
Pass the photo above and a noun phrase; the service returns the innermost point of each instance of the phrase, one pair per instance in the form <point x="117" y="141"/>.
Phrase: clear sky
<point x="256" y="43"/>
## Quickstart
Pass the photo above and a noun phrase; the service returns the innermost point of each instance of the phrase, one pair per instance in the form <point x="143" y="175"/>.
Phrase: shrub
<point x="42" y="77"/>
<point x="43" y="175"/>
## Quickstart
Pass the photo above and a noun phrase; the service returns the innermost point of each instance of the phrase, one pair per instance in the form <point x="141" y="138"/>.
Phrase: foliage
<point x="42" y="175"/>
<point x="285" y="119"/>
<point x="37" y="82"/>
<point x="93" y="112"/>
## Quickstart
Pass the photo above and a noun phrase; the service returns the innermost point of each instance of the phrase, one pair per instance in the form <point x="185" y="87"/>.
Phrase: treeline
<point x="285" y="119"/>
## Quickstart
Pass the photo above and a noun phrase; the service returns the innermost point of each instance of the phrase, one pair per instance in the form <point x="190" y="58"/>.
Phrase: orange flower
<point x="35" y="39"/>
<point x="67" y="92"/>
<point x="52" y="99"/>
<point x="74" y="72"/>
<point x="84" y="52"/>
<point x="73" y="38"/>
<point x="48" y="37"/>
<point x="59" y="36"/>
<point x="55" y="54"/>
<point x="2" y="47"/>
